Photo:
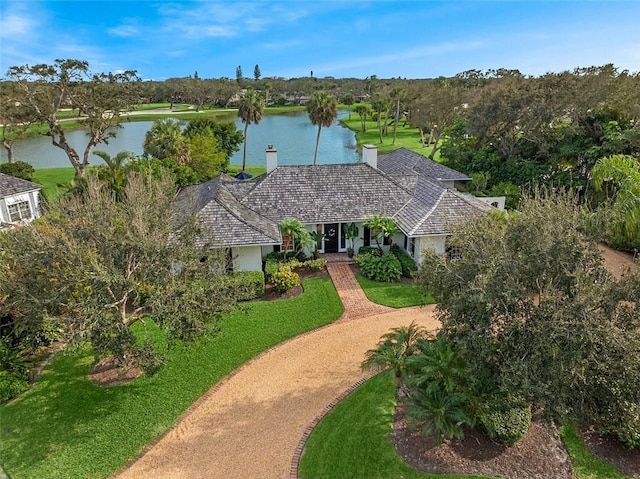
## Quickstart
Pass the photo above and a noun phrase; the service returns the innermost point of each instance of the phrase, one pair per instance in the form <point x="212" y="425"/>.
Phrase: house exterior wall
<point x="425" y="243"/>
<point x="247" y="258"/>
<point x="32" y="197"/>
<point x="449" y="183"/>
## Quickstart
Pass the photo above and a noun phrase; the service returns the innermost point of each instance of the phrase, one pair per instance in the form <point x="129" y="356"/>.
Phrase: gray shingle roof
<point x="434" y="209"/>
<point x="406" y="187"/>
<point x="10" y="185"/>
<point x="403" y="162"/>
<point x="223" y="219"/>
<point x="325" y="193"/>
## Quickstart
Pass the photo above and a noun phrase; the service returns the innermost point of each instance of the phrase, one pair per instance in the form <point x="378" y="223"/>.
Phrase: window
<point x="411" y="249"/>
<point x="453" y="253"/>
<point x="19" y="211"/>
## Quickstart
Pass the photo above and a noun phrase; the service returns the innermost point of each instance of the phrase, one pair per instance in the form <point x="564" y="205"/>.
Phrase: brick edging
<point x="295" y="461"/>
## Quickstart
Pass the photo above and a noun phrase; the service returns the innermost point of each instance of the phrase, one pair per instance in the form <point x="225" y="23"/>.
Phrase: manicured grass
<point x="406" y="136"/>
<point x="354" y="439"/>
<point x="395" y="295"/>
<point x="50" y="178"/>
<point x="251" y="169"/>
<point x="586" y="465"/>
<point x="65" y="426"/>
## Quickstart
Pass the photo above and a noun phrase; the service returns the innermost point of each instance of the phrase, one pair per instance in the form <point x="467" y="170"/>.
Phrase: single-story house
<point x="243" y="216"/>
<point x="19" y="201"/>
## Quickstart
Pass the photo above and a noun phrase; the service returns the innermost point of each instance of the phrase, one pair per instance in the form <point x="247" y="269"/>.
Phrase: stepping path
<point x="249" y="425"/>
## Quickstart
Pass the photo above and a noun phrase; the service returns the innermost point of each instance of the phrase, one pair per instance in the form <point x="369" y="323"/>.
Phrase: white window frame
<point x="20" y="211"/>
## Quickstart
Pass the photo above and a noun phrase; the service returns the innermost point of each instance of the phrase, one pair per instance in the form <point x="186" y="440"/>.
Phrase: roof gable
<point x="10" y="185"/>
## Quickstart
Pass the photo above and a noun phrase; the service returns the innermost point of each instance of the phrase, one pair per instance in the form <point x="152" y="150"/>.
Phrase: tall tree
<point x="348" y="99"/>
<point x="536" y="312"/>
<point x="362" y="111"/>
<point x="44" y="90"/>
<point x="96" y="266"/>
<point x="323" y="111"/>
<point x="256" y="72"/>
<point x="380" y="105"/>
<point x="227" y="135"/>
<point x="250" y="109"/>
<point x="165" y="140"/>
<point x="239" y="76"/>
<point x="397" y="94"/>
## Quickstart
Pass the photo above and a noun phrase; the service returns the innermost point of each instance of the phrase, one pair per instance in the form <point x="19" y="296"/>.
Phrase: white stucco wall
<point x="424" y="243"/>
<point x="247" y="258"/>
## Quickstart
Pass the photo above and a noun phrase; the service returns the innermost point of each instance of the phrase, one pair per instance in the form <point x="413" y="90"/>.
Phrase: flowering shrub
<point x="284" y="280"/>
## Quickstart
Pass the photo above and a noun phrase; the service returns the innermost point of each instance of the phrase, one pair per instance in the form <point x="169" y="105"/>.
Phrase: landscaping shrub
<point x="279" y="256"/>
<point x="504" y="422"/>
<point x="271" y="267"/>
<point x="248" y="285"/>
<point x="370" y="250"/>
<point x="406" y="262"/>
<point x="19" y="169"/>
<point x="14" y="373"/>
<point x="316" y="264"/>
<point x="284" y="280"/>
<point x="385" y="268"/>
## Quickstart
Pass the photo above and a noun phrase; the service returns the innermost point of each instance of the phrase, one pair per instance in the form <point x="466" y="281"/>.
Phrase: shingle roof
<point x="223" y="219"/>
<point x="404" y="162"/>
<point x="434" y="209"/>
<point x="10" y="185"/>
<point x="325" y="193"/>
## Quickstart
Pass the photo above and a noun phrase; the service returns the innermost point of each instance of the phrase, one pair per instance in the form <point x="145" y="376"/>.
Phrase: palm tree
<point x="165" y="140"/>
<point x="294" y="234"/>
<point x="624" y="171"/>
<point x="114" y="172"/>
<point x="349" y="100"/>
<point x="397" y="94"/>
<point x="250" y="109"/>
<point x="363" y="111"/>
<point x="323" y="111"/>
<point x="381" y="227"/>
<point x="379" y="105"/>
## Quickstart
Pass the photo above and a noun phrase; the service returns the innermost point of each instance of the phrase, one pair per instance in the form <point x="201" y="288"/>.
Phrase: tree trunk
<point x="315" y="155"/>
<point x="9" y="147"/>
<point x="395" y="123"/>
<point x="62" y="143"/>
<point x="244" y="153"/>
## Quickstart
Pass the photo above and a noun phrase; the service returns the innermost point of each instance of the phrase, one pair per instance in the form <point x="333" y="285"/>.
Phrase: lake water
<point x="293" y="135"/>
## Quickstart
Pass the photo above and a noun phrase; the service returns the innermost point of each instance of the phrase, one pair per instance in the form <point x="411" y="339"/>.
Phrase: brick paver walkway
<point x="250" y="424"/>
<point x="356" y="304"/>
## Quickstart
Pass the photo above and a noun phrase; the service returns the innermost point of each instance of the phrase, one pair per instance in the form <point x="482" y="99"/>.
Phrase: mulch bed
<point x="540" y="454"/>
<point x="610" y="449"/>
<point x="270" y="293"/>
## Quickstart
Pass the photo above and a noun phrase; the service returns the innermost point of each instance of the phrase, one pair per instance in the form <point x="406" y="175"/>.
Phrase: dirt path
<point x="249" y="425"/>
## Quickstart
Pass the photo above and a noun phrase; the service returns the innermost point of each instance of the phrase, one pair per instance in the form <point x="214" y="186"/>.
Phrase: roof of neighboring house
<point x="223" y="219"/>
<point x="403" y="162"/>
<point x="325" y="193"/>
<point x="10" y="185"/>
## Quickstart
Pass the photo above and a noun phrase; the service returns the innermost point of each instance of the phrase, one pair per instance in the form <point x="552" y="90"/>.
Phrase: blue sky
<point x="412" y="39"/>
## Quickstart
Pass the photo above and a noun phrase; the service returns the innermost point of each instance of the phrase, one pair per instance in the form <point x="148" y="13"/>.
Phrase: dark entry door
<point x="331" y="238"/>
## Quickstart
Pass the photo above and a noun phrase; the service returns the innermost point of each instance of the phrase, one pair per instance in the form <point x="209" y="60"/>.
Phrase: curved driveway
<point x="248" y="426"/>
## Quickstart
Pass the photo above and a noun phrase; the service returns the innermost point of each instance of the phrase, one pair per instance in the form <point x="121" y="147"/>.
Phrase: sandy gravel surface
<point x="249" y="426"/>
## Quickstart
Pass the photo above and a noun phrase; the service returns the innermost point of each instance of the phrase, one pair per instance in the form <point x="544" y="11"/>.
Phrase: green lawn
<point x="50" y="178"/>
<point x="66" y="427"/>
<point x="354" y="439"/>
<point x="395" y="295"/>
<point x="406" y="136"/>
<point x="586" y="465"/>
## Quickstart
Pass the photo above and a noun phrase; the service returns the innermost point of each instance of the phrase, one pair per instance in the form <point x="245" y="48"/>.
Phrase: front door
<point x="331" y="238"/>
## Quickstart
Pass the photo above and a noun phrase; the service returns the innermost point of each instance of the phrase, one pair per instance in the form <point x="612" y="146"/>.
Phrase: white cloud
<point x="16" y="25"/>
<point x="124" y="31"/>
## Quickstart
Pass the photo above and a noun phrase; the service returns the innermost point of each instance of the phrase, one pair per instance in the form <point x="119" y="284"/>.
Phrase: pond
<point x="293" y="135"/>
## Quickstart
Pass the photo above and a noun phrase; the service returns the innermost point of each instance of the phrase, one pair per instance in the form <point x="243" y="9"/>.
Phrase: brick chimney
<point x="272" y="158"/>
<point x="370" y="155"/>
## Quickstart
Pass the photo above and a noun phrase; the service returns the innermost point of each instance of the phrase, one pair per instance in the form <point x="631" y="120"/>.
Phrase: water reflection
<point x="292" y="134"/>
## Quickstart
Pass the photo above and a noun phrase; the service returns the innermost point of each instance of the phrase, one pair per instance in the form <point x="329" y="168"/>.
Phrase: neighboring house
<point x="19" y="201"/>
<point x="416" y="192"/>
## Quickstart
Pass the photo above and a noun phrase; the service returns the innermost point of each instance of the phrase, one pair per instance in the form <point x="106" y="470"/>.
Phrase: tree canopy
<point x="538" y="315"/>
